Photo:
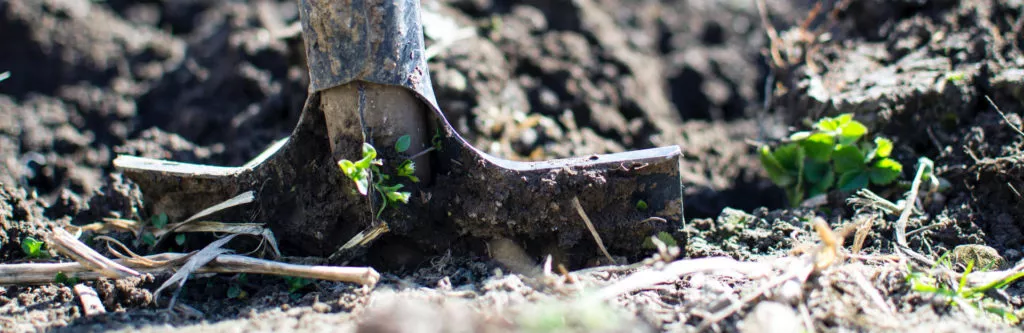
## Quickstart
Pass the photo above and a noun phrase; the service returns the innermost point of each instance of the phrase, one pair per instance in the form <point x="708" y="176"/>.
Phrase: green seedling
<point x="955" y="76"/>
<point x="64" y="279"/>
<point x="33" y="248"/>
<point x="664" y="237"/>
<point x="832" y="156"/>
<point x="641" y="205"/>
<point x="961" y="295"/>
<point x="296" y="284"/>
<point x="235" y="291"/>
<point x="179" y="239"/>
<point x="368" y="167"/>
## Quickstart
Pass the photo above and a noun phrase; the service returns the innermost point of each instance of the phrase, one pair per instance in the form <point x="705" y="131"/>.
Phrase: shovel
<point x="370" y="87"/>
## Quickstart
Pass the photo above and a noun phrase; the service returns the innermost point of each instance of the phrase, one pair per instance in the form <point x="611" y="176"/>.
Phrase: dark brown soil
<point x="216" y="82"/>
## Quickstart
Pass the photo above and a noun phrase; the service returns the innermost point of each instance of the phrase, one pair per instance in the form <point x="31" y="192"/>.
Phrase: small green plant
<point x="33" y="248"/>
<point x="960" y="294"/>
<point x="955" y="76"/>
<point x="235" y="291"/>
<point x="296" y="284"/>
<point x="641" y="205"/>
<point x="179" y="239"/>
<point x="158" y="221"/>
<point x="64" y="279"/>
<point x="368" y="167"/>
<point x="664" y="237"/>
<point x="832" y="156"/>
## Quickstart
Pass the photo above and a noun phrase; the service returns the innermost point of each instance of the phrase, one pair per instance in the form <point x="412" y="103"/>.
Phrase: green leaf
<point x="62" y="278"/>
<point x="403" y="143"/>
<point x="234" y="291"/>
<point x="851" y="132"/>
<point x="828" y="124"/>
<point x="797" y="136"/>
<point x="179" y="239"/>
<point x="885" y="171"/>
<point x="883" y="147"/>
<point x="789" y="156"/>
<point x="347" y="167"/>
<point x="159" y="221"/>
<point x="149" y="239"/>
<point x="368" y="151"/>
<point x="819" y="146"/>
<point x="848" y="158"/>
<point x="402" y="197"/>
<point x="776" y="172"/>
<point x="853" y="180"/>
<point x="32" y="247"/>
<point x="363" y="182"/>
<point x="408" y="169"/>
<point x="820" y="177"/>
<point x="641" y="205"/>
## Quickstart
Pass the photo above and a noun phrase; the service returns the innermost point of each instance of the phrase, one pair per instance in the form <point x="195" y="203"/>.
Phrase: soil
<point x="216" y="82"/>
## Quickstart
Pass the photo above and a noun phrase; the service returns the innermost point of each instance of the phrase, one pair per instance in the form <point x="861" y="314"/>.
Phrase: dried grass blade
<point x="70" y="246"/>
<point x="198" y="260"/>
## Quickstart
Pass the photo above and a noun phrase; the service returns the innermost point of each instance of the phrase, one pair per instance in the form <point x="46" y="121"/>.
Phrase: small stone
<point x="984" y="257"/>
<point x="768" y="317"/>
<point x="321" y="307"/>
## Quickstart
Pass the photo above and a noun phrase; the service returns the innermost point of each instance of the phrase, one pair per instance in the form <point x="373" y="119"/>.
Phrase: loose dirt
<point x="216" y="82"/>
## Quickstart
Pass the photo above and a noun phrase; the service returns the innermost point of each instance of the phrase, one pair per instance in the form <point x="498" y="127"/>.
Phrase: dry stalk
<point x="593" y="231"/>
<point x="649" y="278"/>
<point x="70" y="246"/>
<point x="1001" y="114"/>
<point x="43" y="273"/>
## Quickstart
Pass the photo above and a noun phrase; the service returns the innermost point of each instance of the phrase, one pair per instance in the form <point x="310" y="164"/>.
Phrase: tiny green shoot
<point x="664" y="237"/>
<point x="149" y="239"/>
<point x="62" y="278"/>
<point x="832" y="156"/>
<point x="960" y="293"/>
<point x="955" y="76"/>
<point x="296" y="284"/>
<point x="179" y="239"/>
<point x="33" y="248"/>
<point x="159" y="221"/>
<point x="366" y="168"/>
<point x="641" y="205"/>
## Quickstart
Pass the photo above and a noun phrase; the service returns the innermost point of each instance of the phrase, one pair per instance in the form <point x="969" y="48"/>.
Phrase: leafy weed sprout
<point x="33" y="248"/>
<point x="961" y="295"/>
<point x="830" y="156"/>
<point x="368" y="167"/>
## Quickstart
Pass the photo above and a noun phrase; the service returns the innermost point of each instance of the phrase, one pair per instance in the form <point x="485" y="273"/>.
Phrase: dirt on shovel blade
<point x="216" y="82"/>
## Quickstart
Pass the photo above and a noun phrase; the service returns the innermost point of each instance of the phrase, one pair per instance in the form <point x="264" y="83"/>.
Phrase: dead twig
<point x="923" y="165"/>
<point x="593" y="231"/>
<point x="70" y="246"/>
<point x="196" y="261"/>
<point x="673" y="271"/>
<point x="1001" y="114"/>
<point x="42" y="273"/>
